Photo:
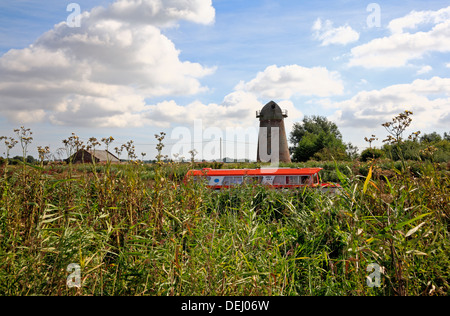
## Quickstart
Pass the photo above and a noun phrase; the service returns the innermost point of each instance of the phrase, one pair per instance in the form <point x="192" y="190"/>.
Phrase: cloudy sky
<point x="198" y="70"/>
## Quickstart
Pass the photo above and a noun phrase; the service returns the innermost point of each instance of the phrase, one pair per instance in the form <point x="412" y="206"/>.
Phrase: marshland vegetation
<point x="137" y="229"/>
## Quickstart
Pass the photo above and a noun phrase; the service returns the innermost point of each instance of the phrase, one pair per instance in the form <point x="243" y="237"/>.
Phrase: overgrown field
<point x="138" y="230"/>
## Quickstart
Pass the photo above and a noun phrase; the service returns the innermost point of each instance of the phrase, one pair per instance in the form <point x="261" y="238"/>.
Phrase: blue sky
<point x="198" y="70"/>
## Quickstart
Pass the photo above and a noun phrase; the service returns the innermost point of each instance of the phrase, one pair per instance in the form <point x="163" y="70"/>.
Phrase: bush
<point x="327" y="154"/>
<point x="371" y="153"/>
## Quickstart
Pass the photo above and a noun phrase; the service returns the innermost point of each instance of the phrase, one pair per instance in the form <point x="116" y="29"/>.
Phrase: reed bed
<point x="139" y="230"/>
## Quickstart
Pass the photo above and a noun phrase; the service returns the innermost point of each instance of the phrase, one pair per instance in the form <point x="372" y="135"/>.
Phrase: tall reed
<point x="137" y="229"/>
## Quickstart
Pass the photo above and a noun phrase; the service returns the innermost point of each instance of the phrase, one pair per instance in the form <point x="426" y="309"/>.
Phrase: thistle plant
<point x="92" y="143"/>
<point x="428" y="152"/>
<point x="160" y="146"/>
<point x="193" y="153"/>
<point x="118" y="151"/>
<point x="131" y="150"/>
<point x="370" y="140"/>
<point x="24" y="136"/>
<point x="395" y="128"/>
<point x="43" y="153"/>
<point x="72" y="144"/>
<point x="10" y="143"/>
<point x="107" y="141"/>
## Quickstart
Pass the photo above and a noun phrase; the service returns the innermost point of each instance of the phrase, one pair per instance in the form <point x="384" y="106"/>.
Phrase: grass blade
<point x="366" y="183"/>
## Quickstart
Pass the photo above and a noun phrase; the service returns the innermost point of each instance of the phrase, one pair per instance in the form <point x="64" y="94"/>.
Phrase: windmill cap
<point x="271" y="111"/>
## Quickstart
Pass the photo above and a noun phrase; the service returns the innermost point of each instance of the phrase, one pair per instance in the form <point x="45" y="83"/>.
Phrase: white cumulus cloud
<point x="424" y="70"/>
<point x="416" y="18"/>
<point x="101" y="73"/>
<point x="327" y="34"/>
<point x="429" y="100"/>
<point x="158" y="12"/>
<point x="237" y="110"/>
<point x="286" y="81"/>
<point x="399" y="48"/>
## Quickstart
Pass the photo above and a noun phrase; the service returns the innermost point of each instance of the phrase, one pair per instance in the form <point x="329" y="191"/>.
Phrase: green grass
<point x="138" y="230"/>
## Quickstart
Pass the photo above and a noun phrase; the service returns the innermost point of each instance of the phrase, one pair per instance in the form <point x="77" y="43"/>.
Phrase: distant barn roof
<point x="88" y="156"/>
<point x="103" y="155"/>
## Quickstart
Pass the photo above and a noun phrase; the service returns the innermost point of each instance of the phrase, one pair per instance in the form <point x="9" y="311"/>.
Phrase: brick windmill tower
<point x="272" y="133"/>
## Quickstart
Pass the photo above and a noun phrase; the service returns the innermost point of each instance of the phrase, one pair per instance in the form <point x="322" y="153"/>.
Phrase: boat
<point x="278" y="178"/>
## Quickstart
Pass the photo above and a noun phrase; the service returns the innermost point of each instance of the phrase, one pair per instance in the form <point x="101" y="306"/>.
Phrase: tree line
<point x="317" y="138"/>
<point x="314" y="138"/>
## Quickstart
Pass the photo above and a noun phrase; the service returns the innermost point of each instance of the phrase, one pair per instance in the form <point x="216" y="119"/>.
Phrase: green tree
<point x="316" y="138"/>
<point x="306" y="147"/>
<point x="313" y="124"/>
<point x="447" y="136"/>
<point x="430" y="138"/>
<point x="352" y="151"/>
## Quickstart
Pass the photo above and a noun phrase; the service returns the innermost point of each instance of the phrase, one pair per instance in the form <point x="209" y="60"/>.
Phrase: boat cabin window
<point x="232" y="180"/>
<point x="305" y="180"/>
<point x="252" y="180"/>
<point x="316" y="178"/>
<point x="280" y="180"/>
<point x="298" y="180"/>
<point x="201" y="179"/>
<point x="293" y="180"/>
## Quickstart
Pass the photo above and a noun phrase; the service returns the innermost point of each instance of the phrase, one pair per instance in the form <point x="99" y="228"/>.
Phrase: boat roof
<point x="256" y="172"/>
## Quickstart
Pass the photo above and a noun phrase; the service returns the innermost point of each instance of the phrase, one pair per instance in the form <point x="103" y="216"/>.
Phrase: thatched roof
<point x="88" y="156"/>
<point x="104" y="156"/>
